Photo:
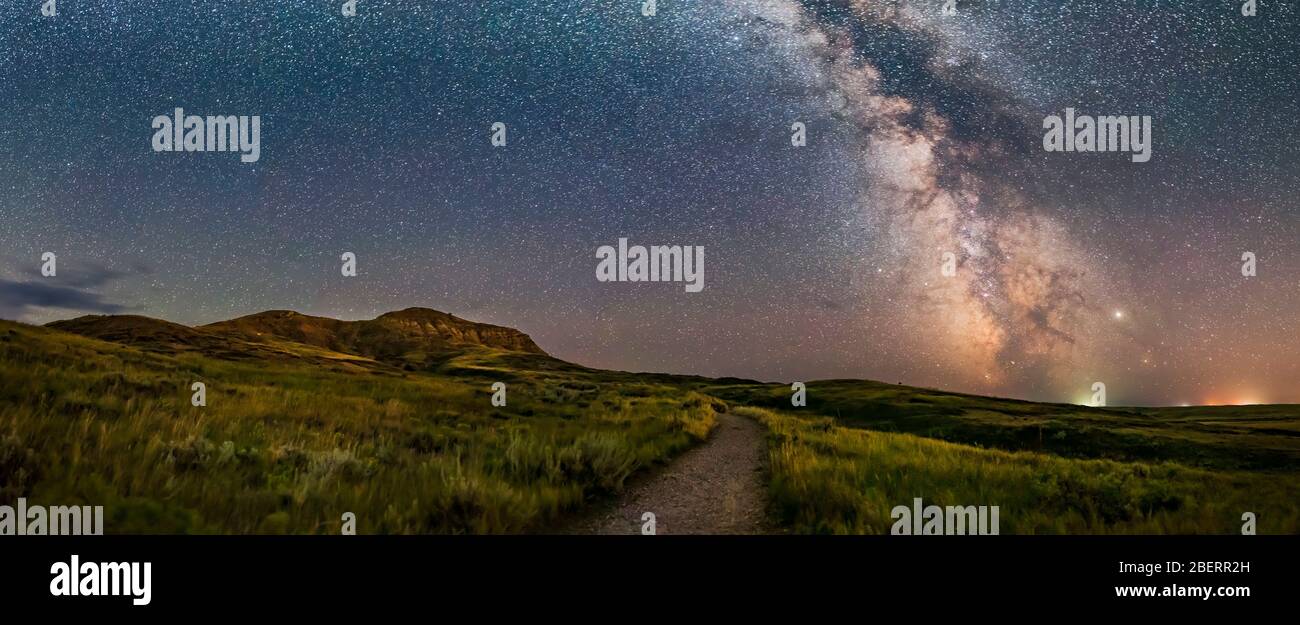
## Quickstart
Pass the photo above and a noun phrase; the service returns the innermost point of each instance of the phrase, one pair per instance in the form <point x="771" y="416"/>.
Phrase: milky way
<point x="1025" y="297"/>
<point x="924" y="139"/>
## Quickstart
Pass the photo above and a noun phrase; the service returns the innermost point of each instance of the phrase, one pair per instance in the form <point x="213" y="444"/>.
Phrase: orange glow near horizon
<point x="1239" y="401"/>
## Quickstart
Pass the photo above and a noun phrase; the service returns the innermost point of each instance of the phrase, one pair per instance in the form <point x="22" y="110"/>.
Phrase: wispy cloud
<point x="73" y="289"/>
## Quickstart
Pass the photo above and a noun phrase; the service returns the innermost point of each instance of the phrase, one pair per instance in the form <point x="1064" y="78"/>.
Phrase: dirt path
<point x="715" y="488"/>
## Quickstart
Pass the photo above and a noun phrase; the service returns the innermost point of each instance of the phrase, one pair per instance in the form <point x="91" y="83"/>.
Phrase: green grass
<point x="289" y="448"/>
<point x="1255" y="438"/>
<point x="827" y="478"/>
<point x="294" y="436"/>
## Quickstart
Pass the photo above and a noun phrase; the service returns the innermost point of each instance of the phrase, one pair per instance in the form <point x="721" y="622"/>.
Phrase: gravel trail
<point x="716" y="488"/>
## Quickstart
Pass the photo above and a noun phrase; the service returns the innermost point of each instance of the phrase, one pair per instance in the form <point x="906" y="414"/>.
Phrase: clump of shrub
<point x="19" y="468"/>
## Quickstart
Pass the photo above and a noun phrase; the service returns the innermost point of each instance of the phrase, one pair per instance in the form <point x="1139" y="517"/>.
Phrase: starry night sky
<point x="924" y="136"/>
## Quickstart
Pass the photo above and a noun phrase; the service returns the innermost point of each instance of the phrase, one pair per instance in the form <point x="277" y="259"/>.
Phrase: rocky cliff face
<point x="390" y="336"/>
<point x="423" y="325"/>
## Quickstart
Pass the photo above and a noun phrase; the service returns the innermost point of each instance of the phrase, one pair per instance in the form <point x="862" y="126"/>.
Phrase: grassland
<point x="859" y="448"/>
<point x="287" y="447"/>
<point x="827" y="478"/>
<point x="293" y="435"/>
<point x="1257" y="438"/>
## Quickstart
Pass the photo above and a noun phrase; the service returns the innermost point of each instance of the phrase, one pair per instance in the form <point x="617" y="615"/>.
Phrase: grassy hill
<point x="288" y="446"/>
<point x="308" y="418"/>
<point x="164" y="337"/>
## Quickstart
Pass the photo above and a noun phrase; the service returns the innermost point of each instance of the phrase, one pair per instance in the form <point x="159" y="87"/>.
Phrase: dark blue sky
<point x="924" y="136"/>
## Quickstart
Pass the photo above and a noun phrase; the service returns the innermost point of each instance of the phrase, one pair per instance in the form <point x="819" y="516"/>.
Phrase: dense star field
<point x="924" y="137"/>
